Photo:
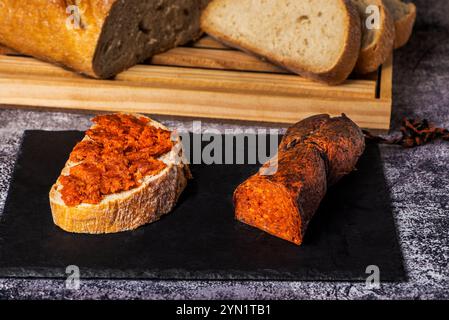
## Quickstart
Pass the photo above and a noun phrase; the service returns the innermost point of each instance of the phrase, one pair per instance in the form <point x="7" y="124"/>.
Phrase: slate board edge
<point x="176" y="275"/>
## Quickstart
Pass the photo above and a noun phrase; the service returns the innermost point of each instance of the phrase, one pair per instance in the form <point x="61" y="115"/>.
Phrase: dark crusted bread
<point x="113" y="35"/>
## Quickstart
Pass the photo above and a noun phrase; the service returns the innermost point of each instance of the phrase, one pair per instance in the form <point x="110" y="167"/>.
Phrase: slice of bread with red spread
<point x="127" y="171"/>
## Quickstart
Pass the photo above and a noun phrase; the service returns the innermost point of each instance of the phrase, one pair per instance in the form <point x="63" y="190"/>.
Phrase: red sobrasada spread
<point x="122" y="149"/>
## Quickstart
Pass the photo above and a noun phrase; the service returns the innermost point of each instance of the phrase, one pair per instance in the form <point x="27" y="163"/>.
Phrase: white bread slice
<point x="404" y="15"/>
<point x="318" y="39"/>
<point x="377" y="43"/>
<point x="157" y="195"/>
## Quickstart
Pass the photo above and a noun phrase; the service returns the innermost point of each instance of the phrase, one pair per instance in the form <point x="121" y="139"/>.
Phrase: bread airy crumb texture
<point x="378" y="42"/>
<point x="128" y="210"/>
<point x="318" y="39"/>
<point x="404" y="15"/>
<point x="138" y="29"/>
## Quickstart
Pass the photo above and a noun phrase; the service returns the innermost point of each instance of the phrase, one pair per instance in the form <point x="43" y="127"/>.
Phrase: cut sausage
<point x="314" y="154"/>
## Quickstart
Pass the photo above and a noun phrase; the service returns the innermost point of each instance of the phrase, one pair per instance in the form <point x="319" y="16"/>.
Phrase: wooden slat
<point x="200" y="79"/>
<point x="104" y="95"/>
<point x="210" y="43"/>
<point x="386" y="85"/>
<point x="245" y="82"/>
<point x="214" y="59"/>
<point x="18" y="65"/>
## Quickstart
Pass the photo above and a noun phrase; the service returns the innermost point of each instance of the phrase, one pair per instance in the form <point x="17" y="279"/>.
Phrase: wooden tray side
<point x="205" y="80"/>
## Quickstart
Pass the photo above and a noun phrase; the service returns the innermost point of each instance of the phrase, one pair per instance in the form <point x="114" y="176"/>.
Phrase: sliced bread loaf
<point x="99" y="38"/>
<point x="377" y="38"/>
<point x="404" y="15"/>
<point x="318" y="39"/>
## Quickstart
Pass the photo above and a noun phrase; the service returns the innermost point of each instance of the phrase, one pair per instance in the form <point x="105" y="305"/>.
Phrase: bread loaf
<point x="128" y="171"/>
<point x="404" y="15"/>
<point x="99" y="38"/>
<point x="318" y="39"/>
<point x="377" y="41"/>
<point x="314" y="154"/>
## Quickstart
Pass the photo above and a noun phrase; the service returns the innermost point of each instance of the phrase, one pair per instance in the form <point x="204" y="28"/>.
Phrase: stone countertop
<point x="418" y="179"/>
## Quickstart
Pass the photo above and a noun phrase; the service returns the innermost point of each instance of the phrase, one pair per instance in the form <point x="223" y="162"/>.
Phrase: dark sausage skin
<point x="314" y="154"/>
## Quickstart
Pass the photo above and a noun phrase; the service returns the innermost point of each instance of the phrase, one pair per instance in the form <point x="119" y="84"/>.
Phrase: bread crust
<point x="128" y="210"/>
<point x="146" y="205"/>
<point x="43" y="33"/>
<point x="404" y="27"/>
<point x="337" y="74"/>
<point x="373" y="56"/>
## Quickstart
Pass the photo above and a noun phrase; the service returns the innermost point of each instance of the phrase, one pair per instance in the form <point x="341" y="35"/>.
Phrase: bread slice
<point x="99" y="38"/>
<point x="157" y="195"/>
<point x="318" y="39"/>
<point x="377" y="43"/>
<point x="404" y="15"/>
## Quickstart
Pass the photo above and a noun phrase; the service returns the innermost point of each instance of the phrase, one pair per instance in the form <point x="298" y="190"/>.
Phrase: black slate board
<point x="199" y="240"/>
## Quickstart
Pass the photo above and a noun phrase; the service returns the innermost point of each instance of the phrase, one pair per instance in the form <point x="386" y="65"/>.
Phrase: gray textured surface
<point x="418" y="178"/>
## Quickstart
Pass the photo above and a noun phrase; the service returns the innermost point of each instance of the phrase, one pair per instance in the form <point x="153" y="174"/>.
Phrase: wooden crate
<point x="203" y="80"/>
